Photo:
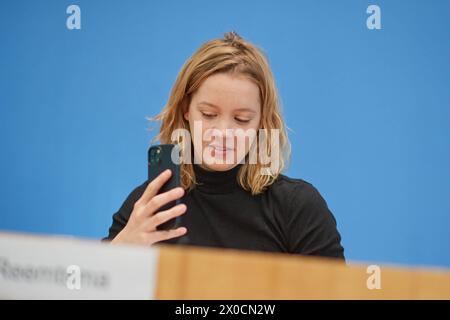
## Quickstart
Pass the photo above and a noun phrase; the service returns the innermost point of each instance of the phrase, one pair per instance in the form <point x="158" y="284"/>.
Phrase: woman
<point x="226" y="90"/>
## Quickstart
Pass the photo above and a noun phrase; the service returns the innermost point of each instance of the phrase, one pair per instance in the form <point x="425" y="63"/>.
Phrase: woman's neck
<point x="217" y="182"/>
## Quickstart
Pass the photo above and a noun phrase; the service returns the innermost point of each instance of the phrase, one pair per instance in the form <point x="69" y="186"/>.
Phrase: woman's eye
<point x="242" y="120"/>
<point x="208" y="115"/>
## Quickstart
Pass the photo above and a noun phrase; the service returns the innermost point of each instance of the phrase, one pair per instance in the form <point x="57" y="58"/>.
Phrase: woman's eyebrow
<point x="246" y="110"/>
<point x="207" y="104"/>
<point x="214" y="106"/>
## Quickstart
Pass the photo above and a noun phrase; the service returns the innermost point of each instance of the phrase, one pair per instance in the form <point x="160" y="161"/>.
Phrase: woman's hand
<point x="141" y="226"/>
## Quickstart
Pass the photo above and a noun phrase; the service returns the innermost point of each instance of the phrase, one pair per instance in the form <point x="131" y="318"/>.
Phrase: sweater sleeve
<point x="312" y="228"/>
<point x="120" y="218"/>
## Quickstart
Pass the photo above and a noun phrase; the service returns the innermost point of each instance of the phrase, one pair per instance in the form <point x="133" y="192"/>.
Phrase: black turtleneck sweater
<point x="290" y="216"/>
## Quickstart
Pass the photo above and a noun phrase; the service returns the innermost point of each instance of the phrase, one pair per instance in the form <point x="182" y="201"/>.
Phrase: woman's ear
<point x="186" y="107"/>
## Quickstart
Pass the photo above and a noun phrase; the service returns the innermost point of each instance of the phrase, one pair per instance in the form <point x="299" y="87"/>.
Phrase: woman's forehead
<point x="224" y="91"/>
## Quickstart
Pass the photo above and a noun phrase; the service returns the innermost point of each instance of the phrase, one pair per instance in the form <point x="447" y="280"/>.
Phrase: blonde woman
<point x="225" y="89"/>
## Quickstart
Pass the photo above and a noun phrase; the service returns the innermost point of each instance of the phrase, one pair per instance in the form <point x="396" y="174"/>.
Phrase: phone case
<point x="160" y="159"/>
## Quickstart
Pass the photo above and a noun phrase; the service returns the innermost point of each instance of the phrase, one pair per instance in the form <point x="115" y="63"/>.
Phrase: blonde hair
<point x="232" y="54"/>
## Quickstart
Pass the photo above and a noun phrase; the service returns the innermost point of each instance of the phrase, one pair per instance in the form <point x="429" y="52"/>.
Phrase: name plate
<point x="47" y="267"/>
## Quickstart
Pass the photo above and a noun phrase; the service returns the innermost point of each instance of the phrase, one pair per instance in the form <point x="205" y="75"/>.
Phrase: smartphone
<point x="159" y="160"/>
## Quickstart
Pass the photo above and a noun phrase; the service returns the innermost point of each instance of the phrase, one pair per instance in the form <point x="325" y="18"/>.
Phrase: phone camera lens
<point x="155" y="156"/>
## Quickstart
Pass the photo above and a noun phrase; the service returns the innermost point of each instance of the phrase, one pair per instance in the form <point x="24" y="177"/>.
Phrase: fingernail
<point x="183" y="230"/>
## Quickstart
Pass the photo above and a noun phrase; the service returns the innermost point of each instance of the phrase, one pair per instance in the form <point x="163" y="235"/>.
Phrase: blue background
<point x="368" y="110"/>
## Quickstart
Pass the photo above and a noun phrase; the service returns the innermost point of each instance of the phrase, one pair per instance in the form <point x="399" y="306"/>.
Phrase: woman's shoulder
<point x="287" y="186"/>
<point x="297" y="195"/>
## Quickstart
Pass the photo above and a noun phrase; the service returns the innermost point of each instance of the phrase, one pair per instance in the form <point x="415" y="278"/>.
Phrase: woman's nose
<point x="225" y="132"/>
<point x="226" y="128"/>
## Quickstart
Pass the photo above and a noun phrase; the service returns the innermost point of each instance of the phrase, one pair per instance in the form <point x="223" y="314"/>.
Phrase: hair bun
<point x="234" y="39"/>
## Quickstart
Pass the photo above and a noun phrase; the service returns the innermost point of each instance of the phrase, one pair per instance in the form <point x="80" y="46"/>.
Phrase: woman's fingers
<point x="161" y="199"/>
<point x="168" y="234"/>
<point x="164" y="216"/>
<point x="153" y="187"/>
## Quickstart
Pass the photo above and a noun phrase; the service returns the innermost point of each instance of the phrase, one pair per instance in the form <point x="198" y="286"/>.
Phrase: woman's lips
<point x="220" y="150"/>
<point x="220" y="147"/>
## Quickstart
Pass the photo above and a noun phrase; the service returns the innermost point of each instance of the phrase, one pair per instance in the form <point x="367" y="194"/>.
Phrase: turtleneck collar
<point x="216" y="182"/>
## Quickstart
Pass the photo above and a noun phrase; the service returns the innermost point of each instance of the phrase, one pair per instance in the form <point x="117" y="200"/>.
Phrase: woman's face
<point x="223" y="104"/>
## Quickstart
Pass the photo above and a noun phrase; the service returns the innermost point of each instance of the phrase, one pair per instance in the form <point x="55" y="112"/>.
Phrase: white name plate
<point x="46" y="267"/>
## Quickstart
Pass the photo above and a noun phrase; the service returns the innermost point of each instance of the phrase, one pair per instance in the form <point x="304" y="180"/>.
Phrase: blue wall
<point x="369" y="110"/>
